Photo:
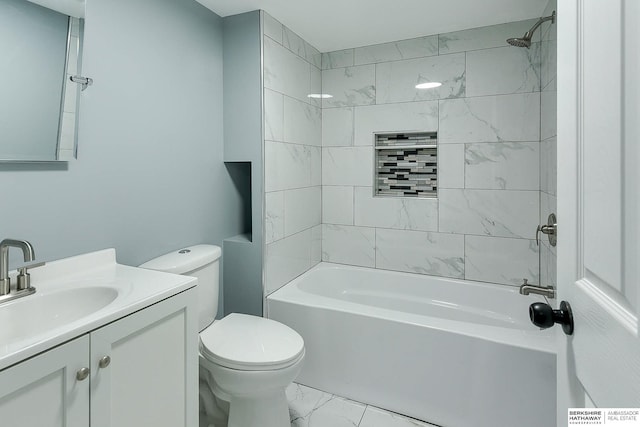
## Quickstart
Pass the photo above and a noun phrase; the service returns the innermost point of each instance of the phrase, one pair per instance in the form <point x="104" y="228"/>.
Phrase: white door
<point x="599" y="202"/>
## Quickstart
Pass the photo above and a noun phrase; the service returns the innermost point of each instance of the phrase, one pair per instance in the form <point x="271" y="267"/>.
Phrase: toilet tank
<point x="201" y="262"/>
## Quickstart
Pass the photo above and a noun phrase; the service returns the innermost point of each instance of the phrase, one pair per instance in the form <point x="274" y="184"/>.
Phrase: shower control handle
<point x="543" y="316"/>
<point x="550" y="229"/>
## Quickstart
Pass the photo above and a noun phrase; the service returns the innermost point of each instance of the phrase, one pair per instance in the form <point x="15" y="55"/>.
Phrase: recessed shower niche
<point x="406" y="164"/>
<point x="240" y="173"/>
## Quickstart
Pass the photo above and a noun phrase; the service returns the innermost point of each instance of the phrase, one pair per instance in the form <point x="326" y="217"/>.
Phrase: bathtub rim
<point x="532" y="339"/>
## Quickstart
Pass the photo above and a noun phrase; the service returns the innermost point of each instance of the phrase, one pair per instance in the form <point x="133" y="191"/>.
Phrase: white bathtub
<point x="454" y="353"/>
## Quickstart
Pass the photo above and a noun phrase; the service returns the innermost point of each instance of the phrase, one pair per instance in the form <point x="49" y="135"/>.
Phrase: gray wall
<point x="243" y="151"/>
<point x="150" y="176"/>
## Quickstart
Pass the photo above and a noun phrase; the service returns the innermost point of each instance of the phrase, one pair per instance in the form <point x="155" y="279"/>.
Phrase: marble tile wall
<point x="548" y="143"/>
<point x="488" y="117"/>
<point x="292" y="154"/>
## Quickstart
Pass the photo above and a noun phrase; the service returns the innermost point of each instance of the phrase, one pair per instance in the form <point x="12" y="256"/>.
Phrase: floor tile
<point x="313" y="408"/>
<point x="374" y="417"/>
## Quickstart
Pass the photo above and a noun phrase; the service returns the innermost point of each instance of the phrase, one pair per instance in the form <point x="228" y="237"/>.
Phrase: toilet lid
<point x="244" y="342"/>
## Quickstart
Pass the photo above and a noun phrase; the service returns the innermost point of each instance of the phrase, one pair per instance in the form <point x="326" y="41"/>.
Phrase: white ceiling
<point x="68" y="7"/>
<point x="339" y="24"/>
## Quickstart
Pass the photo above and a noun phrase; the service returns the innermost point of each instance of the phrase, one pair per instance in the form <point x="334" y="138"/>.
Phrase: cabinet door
<point x="152" y="377"/>
<point x="43" y="391"/>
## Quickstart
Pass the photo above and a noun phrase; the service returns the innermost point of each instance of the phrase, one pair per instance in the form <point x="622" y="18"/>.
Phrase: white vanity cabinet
<point x="152" y="378"/>
<point x="143" y="371"/>
<point x="43" y="391"/>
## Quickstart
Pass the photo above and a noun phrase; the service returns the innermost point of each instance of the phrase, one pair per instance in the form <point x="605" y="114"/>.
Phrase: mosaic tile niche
<point x="406" y="164"/>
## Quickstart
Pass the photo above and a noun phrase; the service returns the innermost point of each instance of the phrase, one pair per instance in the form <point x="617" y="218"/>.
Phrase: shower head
<point x="525" y="41"/>
<point x="520" y="42"/>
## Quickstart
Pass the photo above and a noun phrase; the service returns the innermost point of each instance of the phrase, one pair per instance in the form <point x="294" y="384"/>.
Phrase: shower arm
<point x="533" y="29"/>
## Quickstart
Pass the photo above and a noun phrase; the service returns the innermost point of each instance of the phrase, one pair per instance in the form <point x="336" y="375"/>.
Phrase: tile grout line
<point x="366" y="407"/>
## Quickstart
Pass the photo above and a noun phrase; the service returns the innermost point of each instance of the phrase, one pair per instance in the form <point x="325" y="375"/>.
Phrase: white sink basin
<point x="75" y="296"/>
<point x="34" y="314"/>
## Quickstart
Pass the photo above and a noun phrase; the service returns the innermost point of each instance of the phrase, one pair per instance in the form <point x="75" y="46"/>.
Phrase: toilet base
<point x="271" y="410"/>
<point x="259" y="411"/>
<point x="214" y="412"/>
<point x="255" y="398"/>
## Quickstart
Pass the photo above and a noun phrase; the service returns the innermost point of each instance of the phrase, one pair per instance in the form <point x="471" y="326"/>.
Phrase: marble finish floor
<point x="309" y="407"/>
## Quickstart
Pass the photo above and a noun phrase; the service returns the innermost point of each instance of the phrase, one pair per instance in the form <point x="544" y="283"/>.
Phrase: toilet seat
<point x="251" y="343"/>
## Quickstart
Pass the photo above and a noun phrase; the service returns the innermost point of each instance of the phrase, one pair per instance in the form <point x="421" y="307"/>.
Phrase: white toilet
<point x="246" y="362"/>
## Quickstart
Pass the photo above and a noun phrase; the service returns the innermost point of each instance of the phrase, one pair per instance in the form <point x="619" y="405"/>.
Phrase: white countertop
<point x="136" y="288"/>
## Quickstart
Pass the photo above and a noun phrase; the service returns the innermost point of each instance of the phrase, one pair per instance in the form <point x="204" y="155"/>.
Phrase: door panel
<point x="601" y="140"/>
<point x="631" y="154"/>
<point x="599" y="196"/>
<point x="152" y="375"/>
<point x="43" y="391"/>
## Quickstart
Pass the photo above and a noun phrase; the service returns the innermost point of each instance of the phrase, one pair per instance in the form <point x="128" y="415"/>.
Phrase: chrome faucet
<point x="28" y="253"/>
<point x="547" y="291"/>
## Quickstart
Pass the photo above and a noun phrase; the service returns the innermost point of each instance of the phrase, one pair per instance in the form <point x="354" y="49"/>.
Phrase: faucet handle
<point x="24" y="278"/>
<point x="30" y="266"/>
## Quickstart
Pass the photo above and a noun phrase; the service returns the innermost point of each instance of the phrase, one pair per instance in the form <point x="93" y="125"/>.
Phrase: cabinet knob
<point x="104" y="362"/>
<point x="82" y="374"/>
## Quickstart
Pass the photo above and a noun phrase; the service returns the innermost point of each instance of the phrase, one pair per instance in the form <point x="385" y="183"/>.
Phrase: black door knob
<point x="543" y="316"/>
